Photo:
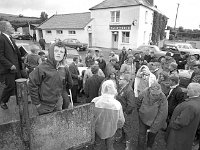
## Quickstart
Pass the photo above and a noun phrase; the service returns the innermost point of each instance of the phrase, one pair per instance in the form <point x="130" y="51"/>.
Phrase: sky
<point x="188" y="12"/>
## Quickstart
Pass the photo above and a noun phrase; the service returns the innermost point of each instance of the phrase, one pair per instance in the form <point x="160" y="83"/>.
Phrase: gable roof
<point x="121" y="3"/>
<point x="67" y="21"/>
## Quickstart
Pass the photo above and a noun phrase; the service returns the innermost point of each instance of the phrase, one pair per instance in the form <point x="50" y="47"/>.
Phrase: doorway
<point x="115" y="36"/>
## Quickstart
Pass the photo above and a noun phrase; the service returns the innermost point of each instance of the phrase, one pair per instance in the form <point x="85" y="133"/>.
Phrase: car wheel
<point x="78" y="49"/>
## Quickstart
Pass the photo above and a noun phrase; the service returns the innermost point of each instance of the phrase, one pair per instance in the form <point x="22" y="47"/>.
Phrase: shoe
<point x="4" y="106"/>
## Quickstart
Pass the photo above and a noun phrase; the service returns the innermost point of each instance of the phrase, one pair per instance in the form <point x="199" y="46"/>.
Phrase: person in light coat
<point x="108" y="116"/>
<point x="144" y="79"/>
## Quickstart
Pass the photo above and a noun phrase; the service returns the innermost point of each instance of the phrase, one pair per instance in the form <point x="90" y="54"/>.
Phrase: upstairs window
<point x="71" y="32"/>
<point x="48" y="32"/>
<point x="115" y="16"/>
<point x="59" y="31"/>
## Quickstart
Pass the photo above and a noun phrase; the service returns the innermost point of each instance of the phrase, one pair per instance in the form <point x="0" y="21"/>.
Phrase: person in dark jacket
<point x="128" y="101"/>
<point x="185" y="120"/>
<point x="102" y="63"/>
<point x="10" y="62"/>
<point x="89" y="59"/>
<point x="73" y="68"/>
<point x="196" y="74"/>
<point x="181" y="61"/>
<point x="93" y="84"/>
<point x="42" y="43"/>
<point x="48" y="82"/>
<point x="123" y="56"/>
<point x="175" y="97"/>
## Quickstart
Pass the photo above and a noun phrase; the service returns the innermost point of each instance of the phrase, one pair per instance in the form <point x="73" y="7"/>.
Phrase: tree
<point x="43" y="16"/>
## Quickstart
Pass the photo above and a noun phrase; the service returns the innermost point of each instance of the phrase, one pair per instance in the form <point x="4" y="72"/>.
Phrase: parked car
<point x="147" y="48"/>
<point x="74" y="43"/>
<point x="182" y="47"/>
<point x="23" y="37"/>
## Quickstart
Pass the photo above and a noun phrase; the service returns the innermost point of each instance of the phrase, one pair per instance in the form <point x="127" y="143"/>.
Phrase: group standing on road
<point x="135" y="96"/>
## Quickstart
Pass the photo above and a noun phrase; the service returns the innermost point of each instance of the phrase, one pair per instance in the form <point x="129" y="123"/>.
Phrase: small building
<point x="64" y="26"/>
<point x="122" y="23"/>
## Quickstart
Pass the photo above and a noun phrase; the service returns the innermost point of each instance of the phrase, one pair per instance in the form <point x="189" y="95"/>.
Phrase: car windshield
<point x="185" y="46"/>
<point x="147" y="48"/>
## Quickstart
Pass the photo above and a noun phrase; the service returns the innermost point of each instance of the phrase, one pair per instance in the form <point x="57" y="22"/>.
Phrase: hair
<point x="3" y="26"/>
<point x="34" y="48"/>
<point x="75" y="58"/>
<point x="174" y="79"/>
<point x="94" y="69"/>
<point x="41" y="53"/>
<point x="195" y="87"/>
<point x="197" y="65"/>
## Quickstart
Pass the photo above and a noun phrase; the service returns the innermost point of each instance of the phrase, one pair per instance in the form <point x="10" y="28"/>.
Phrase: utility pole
<point x="176" y="16"/>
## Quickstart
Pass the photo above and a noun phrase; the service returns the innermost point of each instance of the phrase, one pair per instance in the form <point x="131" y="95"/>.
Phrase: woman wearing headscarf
<point x="144" y="79"/>
<point x="108" y="115"/>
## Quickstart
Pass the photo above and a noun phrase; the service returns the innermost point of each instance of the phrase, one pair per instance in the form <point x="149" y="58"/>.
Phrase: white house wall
<point x="144" y="26"/>
<point x="102" y="35"/>
<point x="81" y="35"/>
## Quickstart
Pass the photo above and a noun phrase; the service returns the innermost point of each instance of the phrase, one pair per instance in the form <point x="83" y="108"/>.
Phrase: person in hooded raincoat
<point x="144" y="79"/>
<point x="108" y="116"/>
<point x="48" y="82"/>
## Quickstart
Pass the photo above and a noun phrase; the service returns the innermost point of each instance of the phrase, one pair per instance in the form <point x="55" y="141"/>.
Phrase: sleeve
<point x="86" y="88"/>
<point x="121" y="118"/>
<point x="130" y="102"/>
<point x="69" y="81"/>
<point x="101" y="73"/>
<point x="139" y="100"/>
<point x="3" y="60"/>
<point x="72" y="71"/>
<point x="183" y="119"/>
<point x="123" y="68"/>
<point x="161" y="116"/>
<point x="35" y="80"/>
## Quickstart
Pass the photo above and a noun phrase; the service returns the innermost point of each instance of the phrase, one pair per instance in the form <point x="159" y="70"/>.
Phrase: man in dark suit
<point x="73" y="68"/>
<point x="93" y="84"/>
<point x="175" y="97"/>
<point x="10" y="62"/>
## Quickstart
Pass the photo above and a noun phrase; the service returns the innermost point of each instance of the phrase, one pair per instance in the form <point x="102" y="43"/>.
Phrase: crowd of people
<point x="135" y="95"/>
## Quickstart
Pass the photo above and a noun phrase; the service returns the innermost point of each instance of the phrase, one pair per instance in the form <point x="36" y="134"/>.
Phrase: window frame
<point x="72" y="32"/>
<point x="125" y="39"/>
<point x="59" y="31"/>
<point x="48" y="32"/>
<point x="115" y="16"/>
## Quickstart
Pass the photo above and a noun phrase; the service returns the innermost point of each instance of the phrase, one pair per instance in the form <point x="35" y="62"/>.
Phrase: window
<point x="146" y="17"/>
<point x="115" y="16"/>
<point x="59" y="31"/>
<point x="71" y="32"/>
<point x="125" y="37"/>
<point x="48" y="31"/>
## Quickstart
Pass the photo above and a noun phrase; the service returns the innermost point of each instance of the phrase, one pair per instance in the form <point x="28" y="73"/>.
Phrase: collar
<point x="6" y="35"/>
<point x="174" y="86"/>
<point x="192" y="98"/>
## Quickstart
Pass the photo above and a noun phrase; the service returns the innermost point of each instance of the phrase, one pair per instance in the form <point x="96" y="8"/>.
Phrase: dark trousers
<point x="74" y="93"/>
<point x="103" y="144"/>
<point x="10" y="86"/>
<point x="142" y="136"/>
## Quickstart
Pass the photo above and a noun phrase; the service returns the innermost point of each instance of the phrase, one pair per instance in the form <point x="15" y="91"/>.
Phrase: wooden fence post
<point x="22" y="101"/>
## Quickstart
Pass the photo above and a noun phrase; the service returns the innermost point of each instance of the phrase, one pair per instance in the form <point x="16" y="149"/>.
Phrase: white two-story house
<point x="122" y="23"/>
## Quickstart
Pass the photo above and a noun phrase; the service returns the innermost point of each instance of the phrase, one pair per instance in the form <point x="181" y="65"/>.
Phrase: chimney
<point x="150" y="2"/>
